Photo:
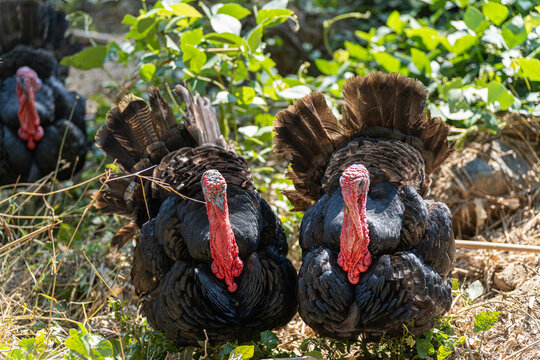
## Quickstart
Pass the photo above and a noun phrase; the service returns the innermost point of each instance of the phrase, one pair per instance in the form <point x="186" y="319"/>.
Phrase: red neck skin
<point x="30" y="129"/>
<point x="227" y="264"/>
<point x="354" y="257"/>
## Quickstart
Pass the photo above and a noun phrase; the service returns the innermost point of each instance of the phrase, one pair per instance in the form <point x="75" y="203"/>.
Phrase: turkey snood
<point x="354" y="256"/>
<point x="28" y="83"/>
<point x="226" y="265"/>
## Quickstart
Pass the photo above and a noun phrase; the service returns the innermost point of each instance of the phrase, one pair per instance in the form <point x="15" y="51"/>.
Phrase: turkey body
<point x="385" y="131"/>
<point x="35" y="32"/>
<point x="172" y="267"/>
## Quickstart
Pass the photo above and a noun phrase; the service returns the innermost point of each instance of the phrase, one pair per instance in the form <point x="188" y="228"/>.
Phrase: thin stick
<point x="29" y="236"/>
<point x="468" y="244"/>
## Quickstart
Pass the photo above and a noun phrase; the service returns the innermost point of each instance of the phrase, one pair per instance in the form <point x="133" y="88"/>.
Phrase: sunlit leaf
<point x="498" y="93"/>
<point x="237" y="11"/>
<point x="180" y="9"/>
<point x="495" y="12"/>
<point x="485" y="320"/>
<point x="223" y="23"/>
<point x="89" y="58"/>
<point x="327" y="67"/>
<point x="245" y="352"/>
<point x="273" y="16"/>
<point x="430" y="37"/>
<point x="226" y="38"/>
<point x="395" y="23"/>
<point x="147" y="71"/>
<point x="463" y="44"/>
<point x="194" y="57"/>
<point x="387" y="61"/>
<point x="244" y="95"/>
<point x="357" y="51"/>
<point x="514" y="32"/>
<point x="475" y="20"/>
<point x="530" y="68"/>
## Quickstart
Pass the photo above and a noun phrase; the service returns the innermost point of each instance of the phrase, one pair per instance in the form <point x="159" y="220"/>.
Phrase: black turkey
<point x="211" y="255"/>
<point x="376" y="255"/>
<point x="41" y="123"/>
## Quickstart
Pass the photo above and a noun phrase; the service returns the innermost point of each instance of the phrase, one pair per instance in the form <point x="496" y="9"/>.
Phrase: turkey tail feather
<point x="396" y="102"/>
<point x="201" y="120"/>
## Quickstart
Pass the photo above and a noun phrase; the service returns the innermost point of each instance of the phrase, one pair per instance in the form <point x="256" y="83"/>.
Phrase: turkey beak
<point x="219" y="202"/>
<point x="22" y="82"/>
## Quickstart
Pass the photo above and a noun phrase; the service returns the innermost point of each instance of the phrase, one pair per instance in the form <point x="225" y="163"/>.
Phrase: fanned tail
<point x="386" y="106"/>
<point x="139" y="137"/>
<point x="393" y="105"/>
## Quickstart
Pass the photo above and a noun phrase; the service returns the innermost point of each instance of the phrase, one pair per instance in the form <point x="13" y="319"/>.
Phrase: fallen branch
<point x="468" y="244"/>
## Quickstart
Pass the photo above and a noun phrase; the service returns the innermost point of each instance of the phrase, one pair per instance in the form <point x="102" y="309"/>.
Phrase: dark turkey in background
<point x="32" y="36"/>
<point x="197" y="209"/>
<point x="376" y="255"/>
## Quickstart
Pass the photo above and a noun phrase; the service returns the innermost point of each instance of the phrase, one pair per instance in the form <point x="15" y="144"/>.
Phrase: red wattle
<point x="227" y="264"/>
<point x="28" y="84"/>
<point x="354" y="257"/>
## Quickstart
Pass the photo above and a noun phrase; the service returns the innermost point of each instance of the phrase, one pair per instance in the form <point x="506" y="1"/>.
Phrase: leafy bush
<point x="477" y="57"/>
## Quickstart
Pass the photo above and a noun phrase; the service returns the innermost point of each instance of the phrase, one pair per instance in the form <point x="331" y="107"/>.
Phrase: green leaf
<point x="223" y="23"/>
<point x="245" y="352"/>
<point x="474" y="20"/>
<point x="444" y="351"/>
<point x="327" y="67"/>
<point x="273" y="16"/>
<point x="498" y="93"/>
<point x="387" y="61"/>
<point x="245" y="95"/>
<point x="180" y="9"/>
<point x="269" y="339"/>
<point x="75" y="343"/>
<point x="485" y="320"/>
<point x="236" y="11"/>
<point x="87" y="59"/>
<point x="531" y="21"/>
<point x="530" y="68"/>
<point x="103" y="350"/>
<point x="357" y="51"/>
<point x="463" y="44"/>
<point x="420" y="60"/>
<point x="395" y="23"/>
<point x="225" y="38"/>
<point x="455" y="284"/>
<point x="192" y="37"/>
<point x="514" y="32"/>
<point x="195" y="57"/>
<point x="147" y="71"/>
<point x="495" y="12"/>
<point x="424" y="347"/>
<point x="429" y="37"/>
<point x="254" y="38"/>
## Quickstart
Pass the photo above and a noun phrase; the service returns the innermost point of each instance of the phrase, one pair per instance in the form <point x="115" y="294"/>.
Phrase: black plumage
<point x="33" y="36"/>
<point x="171" y="270"/>
<point x="386" y="129"/>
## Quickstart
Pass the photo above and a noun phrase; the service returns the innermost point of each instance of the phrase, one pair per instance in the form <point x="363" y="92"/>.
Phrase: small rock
<point x="510" y="277"/>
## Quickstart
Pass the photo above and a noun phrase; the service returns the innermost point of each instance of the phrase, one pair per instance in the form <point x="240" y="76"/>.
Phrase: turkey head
<point x="354" y="257"/>
<point x="28" y="83"/>
<point x="226" y="265"/>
